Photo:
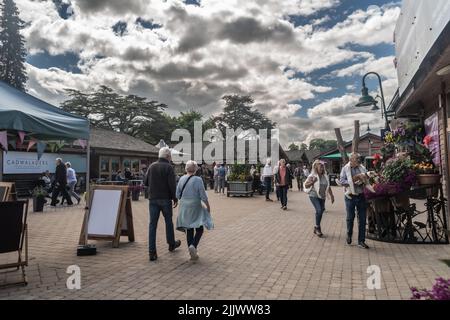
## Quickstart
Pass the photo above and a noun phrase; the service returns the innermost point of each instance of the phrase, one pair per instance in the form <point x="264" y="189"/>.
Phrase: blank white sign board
<point x="104" y="212"/>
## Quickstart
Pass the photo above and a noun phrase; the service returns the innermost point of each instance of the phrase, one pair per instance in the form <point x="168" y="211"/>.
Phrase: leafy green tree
<point x="322" y="145"/>
<point x="12" y="46"/>
<point x="238" y="113"/>
<point x="293" y="147"/>
<point x="129" y="114"/>
<point x="303" y="147"/>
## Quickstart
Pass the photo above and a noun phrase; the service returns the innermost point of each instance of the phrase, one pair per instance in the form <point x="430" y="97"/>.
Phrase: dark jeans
<point x="65" y="195"/>
<point x="268" y="186"/>
<point x="299" y="184"/>
<point x="356" y="205"/>
<point x="283" y="190"/>
<point x="194" y="240"/>
<point x="156" y="206"/>
<point x="319" y="206"/>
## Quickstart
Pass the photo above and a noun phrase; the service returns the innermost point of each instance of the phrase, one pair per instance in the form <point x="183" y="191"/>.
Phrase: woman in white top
<point x="317" y="186"/>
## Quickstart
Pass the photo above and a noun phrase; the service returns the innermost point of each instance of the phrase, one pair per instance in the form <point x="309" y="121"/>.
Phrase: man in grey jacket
<point x="161" y="181"/>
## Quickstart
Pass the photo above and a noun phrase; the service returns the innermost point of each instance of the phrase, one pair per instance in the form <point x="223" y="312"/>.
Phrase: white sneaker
<point x="193" y="252"/>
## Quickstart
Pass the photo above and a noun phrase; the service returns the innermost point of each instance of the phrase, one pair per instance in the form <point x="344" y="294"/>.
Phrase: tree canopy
<point x="238" y="113"/>
<point x="12" y="46"/>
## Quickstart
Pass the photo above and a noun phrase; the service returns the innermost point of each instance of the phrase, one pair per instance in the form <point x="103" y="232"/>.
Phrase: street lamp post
<point x="366" y="100"/>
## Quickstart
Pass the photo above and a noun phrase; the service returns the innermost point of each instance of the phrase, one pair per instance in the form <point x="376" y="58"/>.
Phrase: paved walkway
<point x="256" y="251"/>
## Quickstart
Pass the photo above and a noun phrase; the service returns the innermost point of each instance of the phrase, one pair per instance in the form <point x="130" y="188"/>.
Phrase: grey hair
<point x="165" y="153"/>
<point x="191" y="166"/>
<point x="355" y="155"/>
<point x="59" y="159"/>
<point x="68" y="164"/>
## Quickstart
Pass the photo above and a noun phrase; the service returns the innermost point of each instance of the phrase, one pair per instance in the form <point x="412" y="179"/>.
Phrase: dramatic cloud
<point x="189" y="56"/>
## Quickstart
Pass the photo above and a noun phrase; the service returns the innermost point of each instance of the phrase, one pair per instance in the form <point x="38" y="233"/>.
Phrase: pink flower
<point x="427" y="140"/>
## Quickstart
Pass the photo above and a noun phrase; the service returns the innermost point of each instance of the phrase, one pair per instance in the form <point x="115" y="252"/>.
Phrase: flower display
<point x="440" y="291"/>
<point x="425" y="168"/>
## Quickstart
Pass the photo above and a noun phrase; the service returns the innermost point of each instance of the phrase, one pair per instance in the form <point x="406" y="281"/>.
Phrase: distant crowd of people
<point x="62" y="184"/>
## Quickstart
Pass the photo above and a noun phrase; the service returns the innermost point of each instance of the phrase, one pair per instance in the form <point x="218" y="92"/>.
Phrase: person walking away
<point x="205" y="175"/>
<point x="60" y="184"/>
<point x="317" y="185"/>
<point x="352" y="176"/>
<point x="282" y="179"/>
<point x="222" y="172"/>
<point x="288" y="165"/>
<point x="305" y="171"/>
<point x="216" y="178"/>
<point x="298" y="177"/>
<point x="161" y="181"/>
<point x="277" y="188"/>
<point x="192" y="216"/>
<point x="72" y="181"/>
<point x="267" y="177"/>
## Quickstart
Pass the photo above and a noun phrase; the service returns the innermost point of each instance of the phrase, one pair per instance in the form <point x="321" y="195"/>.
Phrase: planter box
<point x="429" y="179"/>
<point x="135" y="195"/>
<point x="38" y="204"/>
<point x="237" y="188"/>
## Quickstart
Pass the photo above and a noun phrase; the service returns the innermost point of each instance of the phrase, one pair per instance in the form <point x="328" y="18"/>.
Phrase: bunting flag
<point x="60" y="145"/>
<point x="21" y="136"/>
<point x="41" y="148"/>
<point x="4" y="140"/>
<point x="82" y="143"/>
<point x="31" y="143"/>
<point x="52" y="146"/>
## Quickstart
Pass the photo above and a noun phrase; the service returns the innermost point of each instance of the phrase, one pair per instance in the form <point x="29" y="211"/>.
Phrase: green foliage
<point x="238" y="113"/>
<point x="240" y="172"/>
<point x="303" y="147"/>
<point x="129" y="114"/>
<point x="322" y="145"/>
<point x="396" y="170"/>
<point x="12" y="46"/>
<point x="39" y="192"/>
<point x="293" y="147"/>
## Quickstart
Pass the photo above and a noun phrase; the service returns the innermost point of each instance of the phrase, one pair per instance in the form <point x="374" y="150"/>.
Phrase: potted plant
<point x="39" y="194"/>
<point x="240" y="181"/>
<point x="427" y="173"/>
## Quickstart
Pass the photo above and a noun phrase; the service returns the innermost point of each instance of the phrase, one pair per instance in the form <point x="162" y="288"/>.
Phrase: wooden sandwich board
<point x="108" y="215"/>
<point x="8" y="191"/>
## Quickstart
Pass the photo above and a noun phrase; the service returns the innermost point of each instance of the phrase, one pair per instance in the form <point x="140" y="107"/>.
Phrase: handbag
<point x="184" y="186"/>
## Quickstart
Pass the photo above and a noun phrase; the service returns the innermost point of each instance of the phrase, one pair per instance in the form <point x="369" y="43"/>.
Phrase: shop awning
<point x="23" y="112"/>
<point x="334" y="156"/>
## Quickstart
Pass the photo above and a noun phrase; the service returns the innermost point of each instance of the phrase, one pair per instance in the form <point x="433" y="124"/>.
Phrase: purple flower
<point x="440" y="291"/>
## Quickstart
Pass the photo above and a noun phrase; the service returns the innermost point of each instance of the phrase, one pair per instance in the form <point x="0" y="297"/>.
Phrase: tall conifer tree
<point x="12" y="46"/>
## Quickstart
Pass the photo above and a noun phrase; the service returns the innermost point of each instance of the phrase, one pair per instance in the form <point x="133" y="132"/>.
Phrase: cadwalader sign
<point x="27" y="162"/>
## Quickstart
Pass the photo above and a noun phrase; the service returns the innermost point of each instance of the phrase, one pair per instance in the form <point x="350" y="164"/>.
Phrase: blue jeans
<point x="156" y="206"/>
<point x="356" y="205"/>
<point x="319" y="206"/>
<point x="283" y="190"/>
<point x="268" y="186"/>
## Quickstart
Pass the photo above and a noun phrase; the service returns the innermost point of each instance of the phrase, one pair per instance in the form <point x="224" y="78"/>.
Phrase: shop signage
<point x="27" y="162"/>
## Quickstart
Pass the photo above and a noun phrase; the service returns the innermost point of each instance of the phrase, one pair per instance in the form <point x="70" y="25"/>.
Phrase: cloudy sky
<point x="301" y="60"/>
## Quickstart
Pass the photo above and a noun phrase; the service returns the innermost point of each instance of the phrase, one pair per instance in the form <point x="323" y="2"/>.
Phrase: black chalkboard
<point x="3" y="193"/>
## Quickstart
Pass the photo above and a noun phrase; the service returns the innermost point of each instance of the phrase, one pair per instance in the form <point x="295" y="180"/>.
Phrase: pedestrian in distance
<point x="317" y="185"/>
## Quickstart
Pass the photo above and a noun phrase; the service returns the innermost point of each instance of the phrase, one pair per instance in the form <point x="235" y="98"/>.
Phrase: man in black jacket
<point x="60" y="184"/>
<point x="161" y="182"/>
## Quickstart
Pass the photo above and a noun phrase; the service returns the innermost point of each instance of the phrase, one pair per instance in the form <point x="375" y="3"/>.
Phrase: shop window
<point x="104" y="165"/>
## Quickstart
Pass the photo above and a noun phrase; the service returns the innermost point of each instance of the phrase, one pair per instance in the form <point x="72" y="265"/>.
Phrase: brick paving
<point x="256" y="251"/>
